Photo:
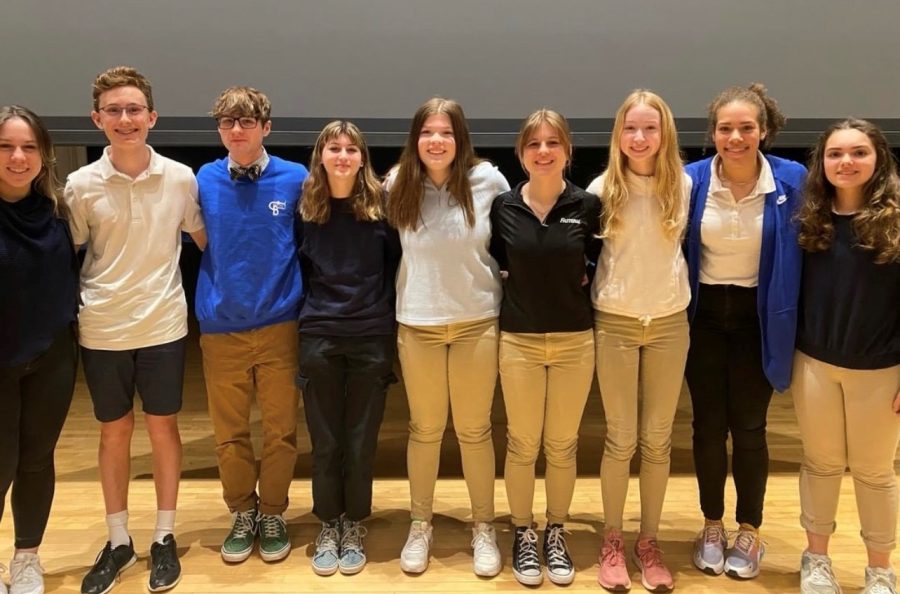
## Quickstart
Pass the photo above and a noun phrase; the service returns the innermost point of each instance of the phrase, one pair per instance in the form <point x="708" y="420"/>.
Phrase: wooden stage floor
<point x="77" y="530"/>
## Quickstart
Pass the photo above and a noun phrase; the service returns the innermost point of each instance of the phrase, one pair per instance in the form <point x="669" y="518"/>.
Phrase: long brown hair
<point x="669" y="177"/>
<point x="46" y="183"/>
<point x="367" y="198"/>
<point x="408" y="188"/>
<point x="877" y="225"/>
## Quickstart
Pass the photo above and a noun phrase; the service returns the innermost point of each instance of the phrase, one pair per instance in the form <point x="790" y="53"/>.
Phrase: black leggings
<point x="730" y="394"/>
<point x="34" y="401"/>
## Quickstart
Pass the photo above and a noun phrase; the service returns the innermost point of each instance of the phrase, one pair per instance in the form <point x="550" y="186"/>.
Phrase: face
<point x="850" y="159"/>
<point x="341" y="158"/>
<point x="131" y="120"/>
<point x="437" y="145"/>
<point x="244" y="145"/>
<point x="20" y="159"/>
<point x="544" y="153"/>
<point x="737" y="134"/>
<point x="640" y="138"/>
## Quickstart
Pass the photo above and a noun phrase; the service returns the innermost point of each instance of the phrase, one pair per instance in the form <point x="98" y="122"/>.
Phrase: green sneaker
<point x="239" y="543"/>
<point x="274" y="544"/>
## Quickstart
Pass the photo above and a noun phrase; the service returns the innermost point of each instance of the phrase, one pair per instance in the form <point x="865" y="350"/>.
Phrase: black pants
<point x="34" y="402"/>
<point x="730" y="394"/>
<point x="344" y="382"/>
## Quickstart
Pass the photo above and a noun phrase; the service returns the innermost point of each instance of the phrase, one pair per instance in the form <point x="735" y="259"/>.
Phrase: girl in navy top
<point x="348" y="257"/>
<point x="846" y="382"/>
<point x="38" y="302"/>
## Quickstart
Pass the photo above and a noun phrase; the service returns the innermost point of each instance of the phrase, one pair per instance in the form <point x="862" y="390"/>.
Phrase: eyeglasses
<point x="115" y="111"/>
<point x="246" y="123"/>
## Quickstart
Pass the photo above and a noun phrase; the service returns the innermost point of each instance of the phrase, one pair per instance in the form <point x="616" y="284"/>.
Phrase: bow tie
<point x="252" y="172"/>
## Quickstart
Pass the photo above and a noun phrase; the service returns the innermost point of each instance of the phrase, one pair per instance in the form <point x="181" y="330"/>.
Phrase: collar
<point x="263" y="162"/>
<point x="765" y="184"/>
<point x="108" y="170"/>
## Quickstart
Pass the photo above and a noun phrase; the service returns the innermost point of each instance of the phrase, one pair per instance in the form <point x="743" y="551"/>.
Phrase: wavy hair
<point x="367" y="196"/>
<point x="877" y="224"/>
<point x="408" y="188"/>
<point x="121" y="76"/>
<point x="46" y="183"/>
<point x="768" y="115"/>
<point x="668" y="176"/>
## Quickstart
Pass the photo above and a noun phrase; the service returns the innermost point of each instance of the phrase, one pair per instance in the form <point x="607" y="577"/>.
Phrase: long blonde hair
<point x="668" y="175"/>
<point x="367" y="198"/>
<point x="408" y="189"/>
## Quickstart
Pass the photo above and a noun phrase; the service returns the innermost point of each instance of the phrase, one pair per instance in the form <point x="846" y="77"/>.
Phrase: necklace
<point x="728" y="182"/>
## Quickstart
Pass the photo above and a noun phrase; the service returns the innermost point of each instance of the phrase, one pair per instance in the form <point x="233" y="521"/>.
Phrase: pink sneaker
<point x="613" y="574"/>
<point x="655" y="576"/>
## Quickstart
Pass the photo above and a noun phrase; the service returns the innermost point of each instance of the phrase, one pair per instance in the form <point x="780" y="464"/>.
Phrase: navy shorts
<point x="157" y="372"/>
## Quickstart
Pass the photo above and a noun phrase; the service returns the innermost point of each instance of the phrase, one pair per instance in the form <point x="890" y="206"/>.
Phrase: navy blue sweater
<point x="38" y="276"/>
<point x="348" y="269"/>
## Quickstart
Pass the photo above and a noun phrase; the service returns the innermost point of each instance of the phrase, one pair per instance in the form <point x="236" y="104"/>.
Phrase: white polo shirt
<point x="130" y="281"/>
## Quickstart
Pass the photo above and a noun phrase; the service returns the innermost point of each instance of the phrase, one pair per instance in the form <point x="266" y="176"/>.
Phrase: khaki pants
<point x="451" y="367"/>
<point x="546" y="379"/>
<point x="237" y="365"/>
<point x="845" y="418"/>
<point x="638" y="362"/>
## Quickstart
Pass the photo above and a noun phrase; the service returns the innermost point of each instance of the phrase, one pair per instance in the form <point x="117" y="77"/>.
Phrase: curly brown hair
<point x="769" y="116"/>
<point x="877" y="224"/>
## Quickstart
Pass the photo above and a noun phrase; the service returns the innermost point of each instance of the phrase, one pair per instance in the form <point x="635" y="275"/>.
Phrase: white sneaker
<point x="485" y="554"/>
<point x="26" y="574"/>
<point x="414" y="556"/>
<point x="3" y="589"/>
<point x="880" y="581"/>
<point x="816" y="575"/>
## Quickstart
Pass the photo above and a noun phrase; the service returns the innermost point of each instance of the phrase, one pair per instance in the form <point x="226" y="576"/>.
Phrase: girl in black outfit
<point x="38" y="305"/>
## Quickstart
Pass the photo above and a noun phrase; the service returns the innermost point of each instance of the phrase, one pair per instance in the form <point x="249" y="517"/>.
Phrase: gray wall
<point x="822" y="59"/>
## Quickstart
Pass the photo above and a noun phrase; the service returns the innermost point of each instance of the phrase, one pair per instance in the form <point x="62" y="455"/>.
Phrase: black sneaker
<point x="165" y="568"/>
<point x="560" y="569"/>
<point x="526" y="564"/>
<point x="107" y="567"/>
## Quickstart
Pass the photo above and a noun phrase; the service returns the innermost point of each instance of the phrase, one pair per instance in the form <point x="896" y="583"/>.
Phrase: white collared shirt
<point x="262" y="161"/>
<point x="130" y="281"/>
<point x="731" y="230"/>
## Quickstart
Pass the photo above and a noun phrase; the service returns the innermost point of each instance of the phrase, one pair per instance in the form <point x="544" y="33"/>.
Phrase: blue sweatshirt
<point x="249" y="272"/>
<point x="780" y="262"/>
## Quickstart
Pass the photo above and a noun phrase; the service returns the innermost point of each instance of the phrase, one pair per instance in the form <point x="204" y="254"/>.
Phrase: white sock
<point x="117" y="524"/>
<point x="165" y="524"/>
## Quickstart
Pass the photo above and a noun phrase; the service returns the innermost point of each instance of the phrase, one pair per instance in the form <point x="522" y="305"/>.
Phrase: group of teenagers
<point x="742" y="273"/>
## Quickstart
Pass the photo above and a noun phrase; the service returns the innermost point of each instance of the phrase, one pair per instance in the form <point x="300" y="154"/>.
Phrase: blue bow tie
<point x="252" y="172"/>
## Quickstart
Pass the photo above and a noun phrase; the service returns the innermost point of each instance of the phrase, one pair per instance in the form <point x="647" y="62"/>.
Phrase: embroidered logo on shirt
<point x="781" y="199"/>
<point x="573" y="221"/>
<point x="276" y="206"/>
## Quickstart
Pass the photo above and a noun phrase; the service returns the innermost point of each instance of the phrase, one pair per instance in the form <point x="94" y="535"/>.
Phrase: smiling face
<point x="545" y="153"/>
<point x="20" y="159"/>
<point x="849" y="159"/>
<point x="437" y="146"/>
<point x="127" y="129"/>
<point x="341" y="159"/>
<point x="737" y="133"/>
<point x="640" y="139"/>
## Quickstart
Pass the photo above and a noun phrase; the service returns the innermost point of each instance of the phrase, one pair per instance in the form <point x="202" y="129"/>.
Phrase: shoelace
<point x="328" y="538"/>
<point x="649" y="553"/>
<point x="613" y="551"/>
<point x="820" y="571"/>
<point x="418" y="538"/>
<point x="166" y="557"/>
<point x="528" y="553"/>
<point x="745" y="541"/>
<point x="351" y="538"/>
<point x="483" y="539"/>
<point x="243" y="523"/>
<point x="713" y="534"/>
<point x="881" y="584"/>
<point x="271" y="526"/>
<point x="27" y="570"/>
<point x="556" y="547"/>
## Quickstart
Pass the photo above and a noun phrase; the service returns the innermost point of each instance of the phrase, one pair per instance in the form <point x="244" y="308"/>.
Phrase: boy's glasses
<point x="115" y="111"/>
<point x="228" y="123"/>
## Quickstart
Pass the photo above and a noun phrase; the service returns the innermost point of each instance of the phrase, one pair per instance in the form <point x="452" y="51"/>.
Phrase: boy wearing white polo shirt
<point x="129" y="209"/>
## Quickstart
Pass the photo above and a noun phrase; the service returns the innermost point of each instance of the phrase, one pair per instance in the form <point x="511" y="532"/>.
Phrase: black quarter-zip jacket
<point x="547" y="262"/>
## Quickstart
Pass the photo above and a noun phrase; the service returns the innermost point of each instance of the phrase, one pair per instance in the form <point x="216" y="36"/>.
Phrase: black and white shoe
<point x="526" y="564"/>
<point x="107" y="567"/>
<point x="165" y="568"/>
<point x="560" y="569"/>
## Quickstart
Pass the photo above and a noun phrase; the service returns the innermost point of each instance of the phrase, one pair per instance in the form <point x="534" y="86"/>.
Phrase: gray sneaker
<point x="880" y="581"/>
<point x="353" y="555"/>
<point x="327" y="556"/>
<point x="238" y="544"/>
<point x="816" y="576"/>
<point x="274" y="543"/>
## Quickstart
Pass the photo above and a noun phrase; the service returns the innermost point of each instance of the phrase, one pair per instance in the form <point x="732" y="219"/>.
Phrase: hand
<point x="896" y="404"/>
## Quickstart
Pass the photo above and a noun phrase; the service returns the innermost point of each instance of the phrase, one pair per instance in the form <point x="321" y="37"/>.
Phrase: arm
<point x="199" y="237"/>
<point x="497" y="247"/>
